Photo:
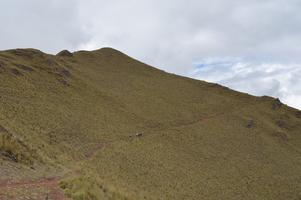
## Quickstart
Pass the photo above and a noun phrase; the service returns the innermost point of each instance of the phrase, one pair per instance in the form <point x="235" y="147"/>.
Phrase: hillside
<point x="102" y="125"/>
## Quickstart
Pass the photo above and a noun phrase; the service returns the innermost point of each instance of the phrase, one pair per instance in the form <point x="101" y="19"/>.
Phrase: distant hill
<point x="102" y="125"/>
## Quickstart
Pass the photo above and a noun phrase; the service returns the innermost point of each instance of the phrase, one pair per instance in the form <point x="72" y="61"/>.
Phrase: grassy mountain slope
<point x="112" y="127"/>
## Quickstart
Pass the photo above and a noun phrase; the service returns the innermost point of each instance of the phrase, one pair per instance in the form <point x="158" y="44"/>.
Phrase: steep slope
<point x="112" y="127"/>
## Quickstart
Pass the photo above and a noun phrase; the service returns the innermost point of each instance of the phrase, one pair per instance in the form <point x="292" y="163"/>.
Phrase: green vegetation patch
<point x="88" y="188"/>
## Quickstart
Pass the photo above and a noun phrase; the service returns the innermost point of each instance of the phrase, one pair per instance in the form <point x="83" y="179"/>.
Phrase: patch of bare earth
<point x="42" y="189"/>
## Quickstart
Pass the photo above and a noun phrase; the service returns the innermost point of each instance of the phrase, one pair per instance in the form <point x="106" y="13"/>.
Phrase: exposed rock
<point x="250" y="124"/>
<point x="282" y="136"/>
<point x="298" y="114"/>
<point x="27" y="53"/>
<point x="281" y="124"/>
<point x="65" y="53"/>
<point x="136" y="135"/>
<point x="276" y="104"/>
<point x="2" y="129"/>
<point x="25" y="68"/>
<point x="1" y="67"/>
<point x="65" y="73"/>
<point x="16" y="72"/>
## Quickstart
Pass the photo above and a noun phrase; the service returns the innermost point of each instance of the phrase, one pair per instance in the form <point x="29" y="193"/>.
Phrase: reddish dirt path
<point x="42" y="181"/>
<point x="44" y="188"/>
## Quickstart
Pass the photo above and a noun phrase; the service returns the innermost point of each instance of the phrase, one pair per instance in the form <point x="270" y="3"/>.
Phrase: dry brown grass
<point x="80" y="112"/>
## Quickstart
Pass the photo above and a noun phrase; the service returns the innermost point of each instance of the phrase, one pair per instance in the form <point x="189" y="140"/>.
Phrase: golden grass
<point x="144" y="133"/>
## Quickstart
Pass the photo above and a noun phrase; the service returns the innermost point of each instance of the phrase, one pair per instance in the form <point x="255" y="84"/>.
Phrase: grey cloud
<point x="47" y="25"/>
<point x="173" y="35"/>
<point x="277" y="80"/>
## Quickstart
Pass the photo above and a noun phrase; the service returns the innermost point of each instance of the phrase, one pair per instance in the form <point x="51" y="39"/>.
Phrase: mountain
<point x="102" y="125"/>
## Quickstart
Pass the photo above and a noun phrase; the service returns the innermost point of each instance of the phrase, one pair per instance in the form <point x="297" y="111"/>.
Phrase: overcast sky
<point x="249" y="45"/>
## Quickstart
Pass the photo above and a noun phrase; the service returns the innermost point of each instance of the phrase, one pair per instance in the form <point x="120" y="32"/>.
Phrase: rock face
<point x="122" y="129"/>
<point x="65" y="53"/>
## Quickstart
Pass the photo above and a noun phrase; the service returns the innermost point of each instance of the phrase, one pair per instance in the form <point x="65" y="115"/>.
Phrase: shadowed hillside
<point x="101" y="125"/>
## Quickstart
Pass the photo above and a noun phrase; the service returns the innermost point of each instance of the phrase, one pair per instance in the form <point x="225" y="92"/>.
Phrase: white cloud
<point x="50" y="25"/>
<point x="277" y="80"/>
<point x="172" y="35"/>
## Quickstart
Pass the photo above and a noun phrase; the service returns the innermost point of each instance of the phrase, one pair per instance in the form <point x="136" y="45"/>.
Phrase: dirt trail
<point x="42" y="181"/>
<point x="44" y="188"/>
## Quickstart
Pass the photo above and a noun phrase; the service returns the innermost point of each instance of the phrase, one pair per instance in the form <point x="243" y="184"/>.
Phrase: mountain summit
<point x="102" y="125"/>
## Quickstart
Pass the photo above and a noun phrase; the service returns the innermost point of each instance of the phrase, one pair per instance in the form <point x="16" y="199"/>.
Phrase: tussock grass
<point x="88" y="188"/>
<point x="197" y="140"/>
<point x="14" y="149"/>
